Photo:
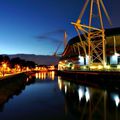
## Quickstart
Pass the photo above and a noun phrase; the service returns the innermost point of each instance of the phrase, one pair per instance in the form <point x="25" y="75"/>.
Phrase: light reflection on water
<point x="44" y="96"/>
<point x="44" y="75"/>
<point x="89" y="103"/>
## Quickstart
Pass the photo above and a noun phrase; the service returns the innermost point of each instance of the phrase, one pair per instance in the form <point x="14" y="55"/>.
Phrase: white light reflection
<point x="59" y="83"/>
<point x="27" y="79"/>
<point x="65" y="88"/>
<point x="80" y="93"/>
<point x="116" y="99"/>
<point x="87" y="95"/>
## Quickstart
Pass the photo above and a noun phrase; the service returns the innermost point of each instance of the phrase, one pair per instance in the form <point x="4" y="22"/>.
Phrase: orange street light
<point x="4" y="66"/>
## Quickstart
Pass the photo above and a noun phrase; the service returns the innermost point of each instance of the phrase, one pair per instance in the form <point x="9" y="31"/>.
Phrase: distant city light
<point x="87" y="59"/>
<point x="107" y="66"/>
<point x="81" y="60"/>
<point x="114" y="59"/>
<point x="4" y="65"/>
<point x="118" y="66"/>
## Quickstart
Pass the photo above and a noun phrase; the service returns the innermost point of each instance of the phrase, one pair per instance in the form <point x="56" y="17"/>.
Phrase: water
<point x="44" y="96"/>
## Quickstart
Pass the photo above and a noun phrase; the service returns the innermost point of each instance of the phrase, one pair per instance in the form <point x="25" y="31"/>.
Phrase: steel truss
<point x="92" y="38"/>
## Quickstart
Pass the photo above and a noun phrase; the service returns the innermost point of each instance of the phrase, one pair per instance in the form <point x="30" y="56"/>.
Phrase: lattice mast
<point x="94" y="46"/>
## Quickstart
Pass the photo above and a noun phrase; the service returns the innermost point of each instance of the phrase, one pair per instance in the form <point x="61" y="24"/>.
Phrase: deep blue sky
<point x="23" y="22"/>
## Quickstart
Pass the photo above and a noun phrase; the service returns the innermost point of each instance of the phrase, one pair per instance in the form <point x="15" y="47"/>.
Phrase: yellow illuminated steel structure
<point x="94" y="42"/>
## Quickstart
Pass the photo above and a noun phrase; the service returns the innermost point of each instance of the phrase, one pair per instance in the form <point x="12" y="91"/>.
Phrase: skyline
<point x="37" y="26"/>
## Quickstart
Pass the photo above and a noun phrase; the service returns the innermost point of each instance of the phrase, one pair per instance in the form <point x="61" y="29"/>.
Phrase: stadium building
<point x="73" y="57"/>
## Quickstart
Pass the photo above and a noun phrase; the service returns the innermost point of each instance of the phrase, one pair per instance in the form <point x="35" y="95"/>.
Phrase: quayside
<point x="94" y="78"/>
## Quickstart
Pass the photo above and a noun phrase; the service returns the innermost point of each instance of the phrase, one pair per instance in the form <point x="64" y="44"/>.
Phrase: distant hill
<point x="38" y="59"/>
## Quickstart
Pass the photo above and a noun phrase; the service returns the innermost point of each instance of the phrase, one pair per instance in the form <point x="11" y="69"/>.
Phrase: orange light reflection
<point x="44" y="75"/>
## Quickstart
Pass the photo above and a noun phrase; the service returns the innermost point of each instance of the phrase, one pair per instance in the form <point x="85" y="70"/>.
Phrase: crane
<point x="49" y="36"/>
<point x="59" y="45"/>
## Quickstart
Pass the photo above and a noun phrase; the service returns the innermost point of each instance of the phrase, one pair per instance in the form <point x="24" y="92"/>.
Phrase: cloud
<point x="47" y="38"/>
<point x="56" y="32"/>
<point x="52" y="36"/>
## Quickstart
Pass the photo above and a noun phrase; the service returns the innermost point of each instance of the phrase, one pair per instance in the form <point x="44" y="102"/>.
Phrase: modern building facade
<point x="73" y="56"/>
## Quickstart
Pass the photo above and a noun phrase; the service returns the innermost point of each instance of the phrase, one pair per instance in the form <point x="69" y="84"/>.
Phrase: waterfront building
<point x="73" y="56"/>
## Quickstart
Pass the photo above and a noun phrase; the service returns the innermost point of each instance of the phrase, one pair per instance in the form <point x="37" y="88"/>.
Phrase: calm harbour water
<point x="44" y="96"/>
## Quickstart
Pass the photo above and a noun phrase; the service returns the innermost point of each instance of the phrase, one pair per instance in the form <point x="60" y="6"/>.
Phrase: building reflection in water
<point x="45" y="75"/>
<point x="9" y="88"/>
<point x="13" y="86"/>
<point x="90" y="103"/>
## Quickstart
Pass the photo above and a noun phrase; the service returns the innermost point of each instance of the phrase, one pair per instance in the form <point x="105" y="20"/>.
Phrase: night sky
<point x="37" y="26"/>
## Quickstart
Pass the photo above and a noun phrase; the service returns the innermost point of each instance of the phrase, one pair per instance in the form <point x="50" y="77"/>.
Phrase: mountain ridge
<point x="38" y="59"/>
